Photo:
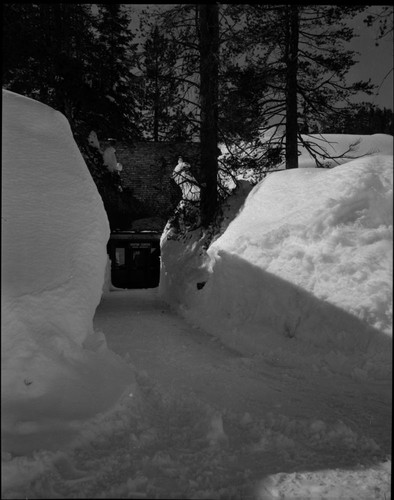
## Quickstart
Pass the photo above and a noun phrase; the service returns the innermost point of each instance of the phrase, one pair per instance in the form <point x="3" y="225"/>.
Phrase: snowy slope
<point x="307" y="259"/>
<point x="54" y="235"/>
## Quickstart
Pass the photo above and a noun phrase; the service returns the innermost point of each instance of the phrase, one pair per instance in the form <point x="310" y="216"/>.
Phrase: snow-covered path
<point x="273" y="419"/>
<point x="208" y="422"/>
<point x="179" y="357"/>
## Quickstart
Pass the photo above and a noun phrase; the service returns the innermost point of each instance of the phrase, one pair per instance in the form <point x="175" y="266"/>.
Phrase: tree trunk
<point x="209" y="58"/>
<point x="156" y="107"/>
<point x="292" y="35"/>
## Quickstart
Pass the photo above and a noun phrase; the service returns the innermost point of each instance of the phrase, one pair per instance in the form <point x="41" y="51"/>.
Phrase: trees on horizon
<point x="279" y="69"/>
<point x="77" y="60"/>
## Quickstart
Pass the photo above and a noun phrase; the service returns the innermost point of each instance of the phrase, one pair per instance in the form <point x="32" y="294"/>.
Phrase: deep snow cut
<point x="303" y="269"/>
<point x="55" y="368"/>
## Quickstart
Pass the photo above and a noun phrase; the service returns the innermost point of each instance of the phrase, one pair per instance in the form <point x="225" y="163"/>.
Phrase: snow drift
<point x="55" y="230"/>
<point x="304" y="269"/>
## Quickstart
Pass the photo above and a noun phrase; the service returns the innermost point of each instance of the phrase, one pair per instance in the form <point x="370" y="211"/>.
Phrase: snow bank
<point x="55" y="230"/>
<point x="307" y="262"/>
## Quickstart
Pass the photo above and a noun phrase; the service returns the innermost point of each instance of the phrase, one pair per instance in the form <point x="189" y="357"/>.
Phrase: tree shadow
<point x="265" y="311"/>
<point x="264" y="305"/>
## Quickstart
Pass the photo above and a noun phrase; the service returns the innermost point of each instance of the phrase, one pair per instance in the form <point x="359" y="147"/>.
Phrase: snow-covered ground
<point x="271" y="379"/>
<point x="209" y="422"/>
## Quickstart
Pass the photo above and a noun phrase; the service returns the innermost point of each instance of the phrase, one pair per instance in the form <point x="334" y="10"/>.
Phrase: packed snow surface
<point x="209" y="422"/>
<point x="54" y="234"/>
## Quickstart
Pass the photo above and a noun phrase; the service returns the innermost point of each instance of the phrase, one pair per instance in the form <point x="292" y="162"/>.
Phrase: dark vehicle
<point x="135" y="259"/>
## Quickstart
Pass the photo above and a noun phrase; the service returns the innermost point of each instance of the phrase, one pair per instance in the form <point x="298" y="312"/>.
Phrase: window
<point x="120" y="256"/>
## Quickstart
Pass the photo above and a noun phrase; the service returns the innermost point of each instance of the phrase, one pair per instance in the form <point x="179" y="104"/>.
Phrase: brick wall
<point x="147" y="169"/>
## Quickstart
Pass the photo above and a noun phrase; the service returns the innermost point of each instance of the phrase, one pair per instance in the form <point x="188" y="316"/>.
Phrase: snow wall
<point x="304" y="268"/>
<point x="54" y="235"/>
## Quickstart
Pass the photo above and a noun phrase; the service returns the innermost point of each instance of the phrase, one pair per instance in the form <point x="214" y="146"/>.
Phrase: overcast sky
<point x="375" y="62"/>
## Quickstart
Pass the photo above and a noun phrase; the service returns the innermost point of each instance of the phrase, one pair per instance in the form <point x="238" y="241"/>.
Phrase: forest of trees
<point x="228" y="73"/>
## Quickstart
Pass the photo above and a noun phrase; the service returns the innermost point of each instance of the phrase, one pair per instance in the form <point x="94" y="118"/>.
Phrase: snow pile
<point x="307" y="260"/>
<point x="55" y="369"/>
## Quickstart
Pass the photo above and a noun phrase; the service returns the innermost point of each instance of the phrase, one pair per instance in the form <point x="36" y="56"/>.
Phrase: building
<point x="146" y="173"/>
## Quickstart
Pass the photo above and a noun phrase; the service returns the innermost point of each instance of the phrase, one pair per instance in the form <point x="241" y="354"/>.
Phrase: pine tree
<point x="160" y="100"/>
<point x="209" y="87"/>
<point x="170" y="65"/>
<point x="77" y="61"/>
<point x="291" y="48"/>
<point x="304" y="50"/>
<point x="118" y="88"/>
<point x="363" y="118"/>
<point x="178" y="75"/>
<point x="20" y="28"/>
<point x="47" y="47"/>
<point x="240" y="110"/>
<point x="195" y="28"/>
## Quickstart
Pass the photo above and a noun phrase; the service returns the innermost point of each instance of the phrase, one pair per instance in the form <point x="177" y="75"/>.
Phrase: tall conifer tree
<point x="308" y="61"/>
<point x="117" y="85"/>
<point x="161" y="98"/>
